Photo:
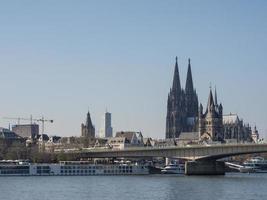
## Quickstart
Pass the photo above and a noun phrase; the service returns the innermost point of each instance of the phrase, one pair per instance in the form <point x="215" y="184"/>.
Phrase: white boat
<point x="258" y="164"/>
<point x="69" y="168"/>
<point x="173" y="169"/>
<point x="240" y="168"/>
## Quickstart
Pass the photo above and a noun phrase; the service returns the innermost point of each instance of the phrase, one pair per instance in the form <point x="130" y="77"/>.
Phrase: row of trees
<point x="17" y="150"/>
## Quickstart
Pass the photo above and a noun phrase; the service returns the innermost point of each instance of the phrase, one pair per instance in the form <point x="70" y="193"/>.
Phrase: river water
<point x="167" y="187"/>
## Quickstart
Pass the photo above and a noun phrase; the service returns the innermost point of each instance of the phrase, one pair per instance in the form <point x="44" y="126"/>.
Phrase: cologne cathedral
<point x="182" y="106"/>
<point x="186" y="119"/>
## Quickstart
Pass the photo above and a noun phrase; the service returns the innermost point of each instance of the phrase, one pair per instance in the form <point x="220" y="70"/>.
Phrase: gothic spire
<point x="216" y="102"/>
<point x="210" y="101"/>
<point x="176" y="86"/>
<point x="88" y="120"/>
<point x="189" y="88"/>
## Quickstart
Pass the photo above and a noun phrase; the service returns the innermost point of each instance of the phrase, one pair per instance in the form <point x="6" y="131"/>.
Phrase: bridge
<point x="202" y="159"/>
<point x="194" y="152"/>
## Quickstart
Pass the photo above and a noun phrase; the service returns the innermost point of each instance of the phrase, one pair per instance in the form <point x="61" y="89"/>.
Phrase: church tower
<point x="211" y="122"/>
<point x="87" y="129"/>
<point x="174" y="106"/>
<point x="191" y="98"/>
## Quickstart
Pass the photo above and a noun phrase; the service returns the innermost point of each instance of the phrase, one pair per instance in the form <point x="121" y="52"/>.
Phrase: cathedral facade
<point x="182" y="105"/>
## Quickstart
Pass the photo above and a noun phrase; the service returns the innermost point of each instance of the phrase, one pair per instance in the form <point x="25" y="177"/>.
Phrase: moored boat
<point x="258" y="164"/>
<point x="69" y="168"/>
<point x="173" y="169"/>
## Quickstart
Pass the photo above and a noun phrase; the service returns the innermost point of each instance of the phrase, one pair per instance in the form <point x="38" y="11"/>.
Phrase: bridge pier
<point x="207" y="167"/>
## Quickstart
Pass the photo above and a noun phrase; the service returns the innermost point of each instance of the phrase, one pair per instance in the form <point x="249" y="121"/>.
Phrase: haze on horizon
<point x="60" y="58"/>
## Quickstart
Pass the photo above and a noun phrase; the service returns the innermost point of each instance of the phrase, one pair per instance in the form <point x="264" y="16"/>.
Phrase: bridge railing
<point x="162" y="147"/>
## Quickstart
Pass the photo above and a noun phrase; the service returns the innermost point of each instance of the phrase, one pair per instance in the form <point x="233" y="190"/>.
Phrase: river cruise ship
<point x="69" y="168"/>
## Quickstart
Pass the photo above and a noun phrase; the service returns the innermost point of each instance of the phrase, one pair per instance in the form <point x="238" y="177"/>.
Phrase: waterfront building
<point x="100" y="143"/>
<point x="133" y="138"/>
<point x="87" y="129"/>
<point x="182" y="105"/>
<point x="52" y="143"/>
<point x="118" y="143"/>
<point x="26" y="130"/>
<point x="106" y="129"/>
<point x="124" y="139"/>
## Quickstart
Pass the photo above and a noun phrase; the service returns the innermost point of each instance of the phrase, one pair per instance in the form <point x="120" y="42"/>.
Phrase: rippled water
<point x="231" y="186"/>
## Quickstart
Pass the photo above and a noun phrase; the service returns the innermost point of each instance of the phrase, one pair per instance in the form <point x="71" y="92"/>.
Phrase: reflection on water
<point x="231" y="186"/>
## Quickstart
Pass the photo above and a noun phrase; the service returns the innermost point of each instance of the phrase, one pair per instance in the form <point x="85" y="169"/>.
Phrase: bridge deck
<point x="194" y="152"/>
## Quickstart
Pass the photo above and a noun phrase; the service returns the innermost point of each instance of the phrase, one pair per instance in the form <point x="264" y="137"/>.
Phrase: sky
<point x="59" y="59"/>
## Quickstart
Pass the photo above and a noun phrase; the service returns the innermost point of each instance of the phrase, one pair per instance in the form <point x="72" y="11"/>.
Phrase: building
<point x="106" y="129"/>
<point x="182" y="105"/>
<point x="6" y="134"/>
<point x="52" y="143"/>
<point x="26" y="130"/>
<point x="87" y="129"/>
<point x="125" y="139"/>
<point x="186" y="138"/>
<point x="118" y="143"/>
<point x="185" y="118"/>
<point x="255" y="135"/>
<point x="211" y="122"/>
<point x="234" y="129"/>
<point x="169" y="142"/>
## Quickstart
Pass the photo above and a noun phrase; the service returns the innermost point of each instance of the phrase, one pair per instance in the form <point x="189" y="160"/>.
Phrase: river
<point x="156" y="187"/>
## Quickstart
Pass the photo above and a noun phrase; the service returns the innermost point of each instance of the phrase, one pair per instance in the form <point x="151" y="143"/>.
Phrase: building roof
<point x="44" y="137"/>
<point x="101" y="140"/>
<point x="55" y="139"/>
<point x="148" y="141"/>
<point x="165" y="142"/>
<point x="7" y="134"/>
<point x="128" y="135"/>
<point x="189" y="136"/>
<point x="230" y="119"/>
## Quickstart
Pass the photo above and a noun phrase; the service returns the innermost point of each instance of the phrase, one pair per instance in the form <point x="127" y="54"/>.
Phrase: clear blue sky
<point x="59" y="58"/>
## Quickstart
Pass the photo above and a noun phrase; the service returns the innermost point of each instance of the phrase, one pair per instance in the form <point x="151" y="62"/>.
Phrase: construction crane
<point x="42" y="120"/>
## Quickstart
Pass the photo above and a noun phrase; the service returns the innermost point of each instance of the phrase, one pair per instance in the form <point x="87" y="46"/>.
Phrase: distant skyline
<point x="57" y="58"/>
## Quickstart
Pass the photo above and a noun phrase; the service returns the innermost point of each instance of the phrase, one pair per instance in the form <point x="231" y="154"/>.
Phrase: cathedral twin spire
<point x="176" y="86"/>
<point x="189" y="80"/>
